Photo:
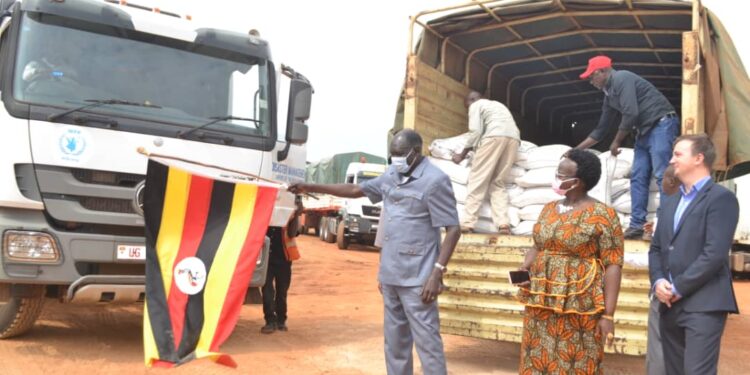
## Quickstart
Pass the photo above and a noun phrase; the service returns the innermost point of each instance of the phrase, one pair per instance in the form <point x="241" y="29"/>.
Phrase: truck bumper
<point x="363" y="226"/>
<point x="87" y="261"/>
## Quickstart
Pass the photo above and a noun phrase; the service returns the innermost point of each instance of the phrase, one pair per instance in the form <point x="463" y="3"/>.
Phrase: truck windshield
<point x="61" y="67"/>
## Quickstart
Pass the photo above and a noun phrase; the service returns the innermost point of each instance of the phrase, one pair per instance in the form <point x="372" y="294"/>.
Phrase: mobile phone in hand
<point x="518" y="277"/>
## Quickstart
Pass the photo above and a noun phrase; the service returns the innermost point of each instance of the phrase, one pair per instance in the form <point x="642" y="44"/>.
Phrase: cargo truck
<point x="84" y="84"/>
<point x="340" y="220"/>
<point x="528" y="55"/>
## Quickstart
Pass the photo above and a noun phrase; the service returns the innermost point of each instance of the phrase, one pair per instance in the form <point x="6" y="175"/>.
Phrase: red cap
<point x="595" y="63"/>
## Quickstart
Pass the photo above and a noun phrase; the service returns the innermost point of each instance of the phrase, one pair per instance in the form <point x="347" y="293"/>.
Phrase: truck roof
<point x="333" y="170"/>
<point x="529" y="55"/>
<point x="152" y="20"/>
<point x="365" y="167"/>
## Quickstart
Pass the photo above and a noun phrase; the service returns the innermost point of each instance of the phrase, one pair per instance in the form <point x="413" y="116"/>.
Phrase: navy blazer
<point x="696" y="254"/>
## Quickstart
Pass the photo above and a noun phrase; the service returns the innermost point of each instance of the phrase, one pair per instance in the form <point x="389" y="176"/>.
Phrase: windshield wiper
<point x="96" y="103"/>
<point x="183" y="134"/>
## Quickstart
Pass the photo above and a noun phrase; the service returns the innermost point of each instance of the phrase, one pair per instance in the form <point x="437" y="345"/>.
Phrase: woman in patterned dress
<point x="575" y="268"/>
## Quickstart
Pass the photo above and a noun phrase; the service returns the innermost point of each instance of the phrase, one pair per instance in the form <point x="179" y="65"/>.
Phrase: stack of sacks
<point x="459" y="175"/>
<point x="442" y="151"/>
<point x="619" y="189"/>
<point x="540" y="165"/>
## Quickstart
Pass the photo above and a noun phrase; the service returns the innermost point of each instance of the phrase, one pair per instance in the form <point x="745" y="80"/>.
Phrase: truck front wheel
<point x="18" y="314"/>
<point x="341" y="240"/>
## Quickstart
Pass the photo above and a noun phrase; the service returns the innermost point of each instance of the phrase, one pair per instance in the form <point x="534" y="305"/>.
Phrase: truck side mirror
<point x="300" y="98"/>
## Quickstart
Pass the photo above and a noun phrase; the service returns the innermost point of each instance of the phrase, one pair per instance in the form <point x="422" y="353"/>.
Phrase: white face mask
<point x="399" y="162"/>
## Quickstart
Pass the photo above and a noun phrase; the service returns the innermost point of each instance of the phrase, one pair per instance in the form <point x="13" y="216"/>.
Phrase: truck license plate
<point x="131" y="252"/>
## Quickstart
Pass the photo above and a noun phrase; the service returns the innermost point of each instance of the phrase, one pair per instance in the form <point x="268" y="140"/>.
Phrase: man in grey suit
<point x="418" y="201"/>
<point x="688" y="261"/>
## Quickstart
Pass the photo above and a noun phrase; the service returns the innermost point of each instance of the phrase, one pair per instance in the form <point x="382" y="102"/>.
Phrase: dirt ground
<point x="335" y="327"/>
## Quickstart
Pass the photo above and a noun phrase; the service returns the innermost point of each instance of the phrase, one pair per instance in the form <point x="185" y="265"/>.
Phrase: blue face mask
<point x="400" y="163"/>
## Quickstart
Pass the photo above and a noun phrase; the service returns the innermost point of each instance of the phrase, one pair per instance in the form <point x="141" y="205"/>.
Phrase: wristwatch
<point x="441" y="267"/>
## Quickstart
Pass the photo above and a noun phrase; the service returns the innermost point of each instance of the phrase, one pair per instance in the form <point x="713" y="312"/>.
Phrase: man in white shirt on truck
<point x="494" y="136"/>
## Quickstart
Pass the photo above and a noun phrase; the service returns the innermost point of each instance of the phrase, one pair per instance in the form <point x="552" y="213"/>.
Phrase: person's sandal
<point x="504" y="230"/>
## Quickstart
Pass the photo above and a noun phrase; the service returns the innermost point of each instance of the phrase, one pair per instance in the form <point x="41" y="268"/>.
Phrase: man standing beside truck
<point x="283" y="252"/>
<point x="496" y="138"/>
<point x="643" y="109"/>
<point x="418" y="201"/>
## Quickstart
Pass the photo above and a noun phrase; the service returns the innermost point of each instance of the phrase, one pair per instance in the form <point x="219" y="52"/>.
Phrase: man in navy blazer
<point x="688" y="261"/>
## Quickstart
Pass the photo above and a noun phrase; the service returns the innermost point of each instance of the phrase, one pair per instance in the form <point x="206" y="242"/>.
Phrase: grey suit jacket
<point x="696" y="254"/>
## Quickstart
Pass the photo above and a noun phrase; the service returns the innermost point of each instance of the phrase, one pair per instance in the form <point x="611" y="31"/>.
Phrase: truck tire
<point x="321" y="232"/>
<point x="330" y="236"/>
<point x="341" y="240"/>
<point x="18" y="314"/>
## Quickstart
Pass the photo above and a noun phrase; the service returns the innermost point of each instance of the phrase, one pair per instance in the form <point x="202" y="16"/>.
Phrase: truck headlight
<point x="31" y="247"/>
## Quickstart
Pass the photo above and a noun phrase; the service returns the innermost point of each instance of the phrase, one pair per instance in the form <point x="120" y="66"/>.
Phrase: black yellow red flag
<point x="204" y="231"/>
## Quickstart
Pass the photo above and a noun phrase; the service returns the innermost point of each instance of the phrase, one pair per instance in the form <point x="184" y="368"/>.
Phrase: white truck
<point x="346" y="220"/>
<point x="84" y="83"/>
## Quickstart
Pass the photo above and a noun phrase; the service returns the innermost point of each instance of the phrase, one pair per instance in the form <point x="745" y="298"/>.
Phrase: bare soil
<point x="335" y="327"/>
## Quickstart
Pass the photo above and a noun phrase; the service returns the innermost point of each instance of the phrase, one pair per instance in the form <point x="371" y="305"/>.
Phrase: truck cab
<point x="84" y="84"/>
<point x="359" y="218"/>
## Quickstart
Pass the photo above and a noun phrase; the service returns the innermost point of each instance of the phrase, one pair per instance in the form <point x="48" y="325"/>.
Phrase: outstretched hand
<point x="297" y="188"/>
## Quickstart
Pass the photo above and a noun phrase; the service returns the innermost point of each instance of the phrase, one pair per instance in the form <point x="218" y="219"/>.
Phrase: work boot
<point x="269" y="328"/>
<point x="282" y="327"/>
<point x="633" y="234"/>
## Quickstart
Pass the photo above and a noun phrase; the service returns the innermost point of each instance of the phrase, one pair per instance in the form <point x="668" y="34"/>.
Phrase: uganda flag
<point x="204" y="230"/>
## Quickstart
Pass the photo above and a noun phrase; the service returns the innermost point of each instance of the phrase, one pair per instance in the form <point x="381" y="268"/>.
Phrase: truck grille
<point x="107" y="204"/>
<point x="91" y="176"/>
<point x="76" y="196"/>
<point x="371" y="211"/>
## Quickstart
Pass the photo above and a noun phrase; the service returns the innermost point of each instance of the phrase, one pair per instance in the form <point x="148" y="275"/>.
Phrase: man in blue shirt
<point x="418" y="201"/>
<point x="644" y="110"/>
<point x="688" y="263"/>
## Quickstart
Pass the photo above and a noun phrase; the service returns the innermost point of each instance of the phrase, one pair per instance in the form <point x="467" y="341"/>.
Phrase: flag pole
<point x="142" y="150"/>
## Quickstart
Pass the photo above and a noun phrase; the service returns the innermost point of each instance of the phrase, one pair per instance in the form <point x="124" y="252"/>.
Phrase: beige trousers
<point x="492" y="162"/>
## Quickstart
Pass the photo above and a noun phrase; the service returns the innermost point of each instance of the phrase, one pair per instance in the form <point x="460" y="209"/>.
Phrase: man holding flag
<point x="418" y="201"/>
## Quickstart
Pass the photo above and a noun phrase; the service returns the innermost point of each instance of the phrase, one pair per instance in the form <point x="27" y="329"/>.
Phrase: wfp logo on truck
<point x="72" y="144"/>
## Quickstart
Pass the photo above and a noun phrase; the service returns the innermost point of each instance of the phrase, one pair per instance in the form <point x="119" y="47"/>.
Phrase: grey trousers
<point x="654" y="352"/>
<point x="409" y="321"/>
<point x="691" y="340"/>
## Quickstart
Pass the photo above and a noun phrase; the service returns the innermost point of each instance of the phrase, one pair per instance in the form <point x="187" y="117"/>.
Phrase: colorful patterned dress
<point x="566" y="295"/>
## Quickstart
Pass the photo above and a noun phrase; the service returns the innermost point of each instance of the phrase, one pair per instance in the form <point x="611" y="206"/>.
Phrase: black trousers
<point x="278" y="279"/>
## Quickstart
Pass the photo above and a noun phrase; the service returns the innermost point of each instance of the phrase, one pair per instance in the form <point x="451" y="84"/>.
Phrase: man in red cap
<point x="644" y="110"/>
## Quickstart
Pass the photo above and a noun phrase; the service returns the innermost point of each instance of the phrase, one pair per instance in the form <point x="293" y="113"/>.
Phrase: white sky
<point x="354" y="52"/>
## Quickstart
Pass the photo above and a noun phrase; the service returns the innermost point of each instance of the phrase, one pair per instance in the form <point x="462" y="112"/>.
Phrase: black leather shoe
<point x="268" y="328"/>
<point x="633" y="234"/>
<point x="282" y="327"/>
